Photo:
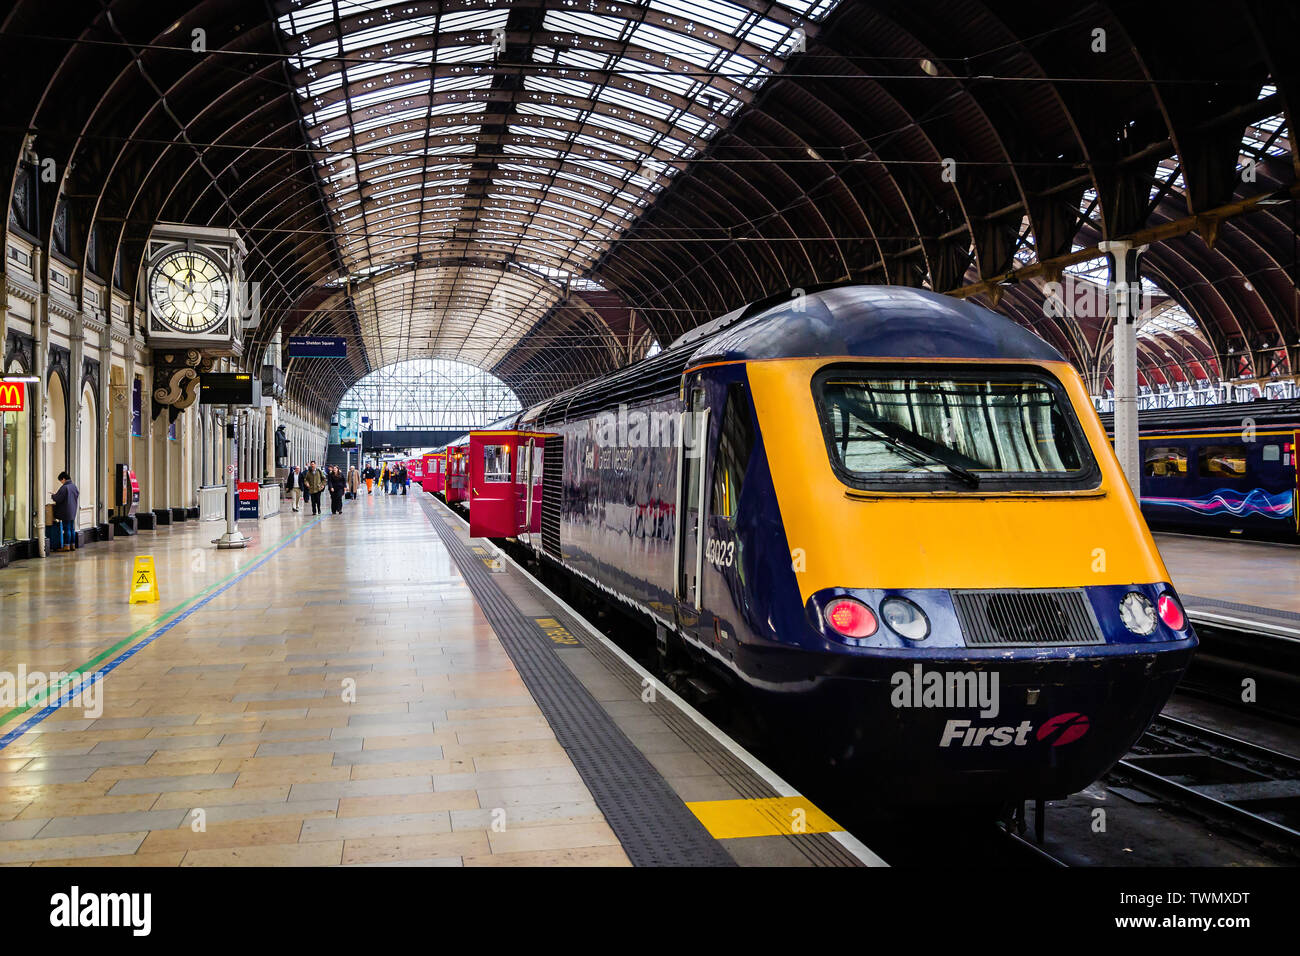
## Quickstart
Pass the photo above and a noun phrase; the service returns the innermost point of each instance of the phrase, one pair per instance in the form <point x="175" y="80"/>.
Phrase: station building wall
<point x="96" y="382"/>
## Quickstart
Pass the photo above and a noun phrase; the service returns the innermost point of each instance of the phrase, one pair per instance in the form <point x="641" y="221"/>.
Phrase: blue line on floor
<point x="101" y="673"/>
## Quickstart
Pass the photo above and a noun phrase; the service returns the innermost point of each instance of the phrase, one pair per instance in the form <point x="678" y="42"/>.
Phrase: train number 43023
<point x="721" y="554"/>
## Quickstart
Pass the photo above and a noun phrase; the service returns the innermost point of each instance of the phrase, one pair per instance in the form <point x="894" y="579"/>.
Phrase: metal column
<point x="232" y="538"/>
<point x="1125" y="289"/>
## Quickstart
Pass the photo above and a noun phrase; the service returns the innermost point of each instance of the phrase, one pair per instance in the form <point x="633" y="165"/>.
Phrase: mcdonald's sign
<point x="11" y="396"/>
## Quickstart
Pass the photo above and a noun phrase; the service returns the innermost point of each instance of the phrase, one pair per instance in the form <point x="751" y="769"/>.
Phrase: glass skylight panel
<point x="307" y="17"/>
<point x="625" y="150"/>
<point x="548" y="109"/>
<point x="679" y="46"/>
<point x="464" y="81"/>
<point x="480" y="53"/>
<point x="641" y="104"/>
<point x="563" y="21"/>
<point x="631" y="130"/>
<point x="464" y="20"/>
<point x="583" y="59"/>
<point x="555" y="84"/>
<point x="724" y="17"/>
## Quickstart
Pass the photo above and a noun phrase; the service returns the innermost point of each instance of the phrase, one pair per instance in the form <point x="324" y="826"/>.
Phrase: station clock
<point x="189" y="291"/>
<point x="194" y="294"/>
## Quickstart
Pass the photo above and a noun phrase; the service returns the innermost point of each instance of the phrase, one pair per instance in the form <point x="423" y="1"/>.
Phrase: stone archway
<point x="88" y="458"/>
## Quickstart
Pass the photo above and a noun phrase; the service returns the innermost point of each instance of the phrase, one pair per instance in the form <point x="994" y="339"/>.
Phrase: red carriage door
<point x="528" y="483"/>
<point x="1295" y="467"/>
<point x="492" y="487"/>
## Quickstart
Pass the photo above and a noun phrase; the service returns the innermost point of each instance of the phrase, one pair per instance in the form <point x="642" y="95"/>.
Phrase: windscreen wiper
<point x="866" y="415"/>
<point x="965" y="474"/>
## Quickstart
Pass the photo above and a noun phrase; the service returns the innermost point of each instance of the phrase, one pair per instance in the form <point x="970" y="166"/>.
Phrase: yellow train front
<point x="893" y="520"/>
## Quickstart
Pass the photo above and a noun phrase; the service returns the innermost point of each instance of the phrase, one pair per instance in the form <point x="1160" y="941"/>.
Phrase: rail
<point x="212" y="503"/>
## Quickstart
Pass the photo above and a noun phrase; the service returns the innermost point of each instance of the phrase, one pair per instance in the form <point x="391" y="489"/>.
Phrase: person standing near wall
<point x="67" y="502"/>
<point x="293" y="489"/>
<point x="402" y="477"/>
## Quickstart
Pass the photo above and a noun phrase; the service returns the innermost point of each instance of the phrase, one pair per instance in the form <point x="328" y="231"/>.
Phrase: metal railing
<point x="212" y="503"/>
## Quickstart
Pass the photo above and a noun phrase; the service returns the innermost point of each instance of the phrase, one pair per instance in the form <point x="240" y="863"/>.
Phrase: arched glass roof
<point x="430" y="393"/>
<point x="481" y="141"/>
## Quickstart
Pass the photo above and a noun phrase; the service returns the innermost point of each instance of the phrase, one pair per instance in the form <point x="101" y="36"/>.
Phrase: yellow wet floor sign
<point x="144" y="581"/>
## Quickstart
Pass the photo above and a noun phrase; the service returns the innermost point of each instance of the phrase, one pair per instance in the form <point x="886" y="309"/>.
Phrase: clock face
<point x="189" y="291"/>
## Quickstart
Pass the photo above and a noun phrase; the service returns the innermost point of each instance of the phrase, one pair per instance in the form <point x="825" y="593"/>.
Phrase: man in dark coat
<point x="402" y="477"/>
<point x="313" y="482"/>
<point x="67" y="502"/>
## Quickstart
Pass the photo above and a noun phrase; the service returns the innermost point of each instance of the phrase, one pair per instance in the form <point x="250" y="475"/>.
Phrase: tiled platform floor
<point x="1244" y="572"/>
<point x="239" y="709"/>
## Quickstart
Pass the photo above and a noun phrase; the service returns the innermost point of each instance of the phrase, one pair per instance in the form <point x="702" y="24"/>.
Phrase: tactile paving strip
<point x="651" y="822"/>
<point x="821" y="849"/>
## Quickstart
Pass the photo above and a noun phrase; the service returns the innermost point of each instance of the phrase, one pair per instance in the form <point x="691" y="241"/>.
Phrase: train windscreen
<point x="981" y="431"/>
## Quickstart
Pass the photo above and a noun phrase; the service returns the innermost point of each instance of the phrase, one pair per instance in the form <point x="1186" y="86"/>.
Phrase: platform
<point x="358" y="690"/>
<point x="1255" y="582"/>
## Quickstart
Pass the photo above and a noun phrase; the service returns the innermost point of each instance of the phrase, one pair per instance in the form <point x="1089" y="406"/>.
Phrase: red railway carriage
<point x="456" y="486"/>
<point x="505" y="480"/>
<point x="433" y="466"/>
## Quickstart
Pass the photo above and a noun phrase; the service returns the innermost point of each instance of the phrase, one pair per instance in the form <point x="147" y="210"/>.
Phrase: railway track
<point x="1254" y="789"/>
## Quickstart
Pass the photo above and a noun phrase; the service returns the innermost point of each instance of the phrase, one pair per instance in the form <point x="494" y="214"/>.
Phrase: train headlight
<point x="1171" y="613"/>
<point x="905" y="618"/>
<point x="1136" y="612"/>
<point x="850" y="618"/>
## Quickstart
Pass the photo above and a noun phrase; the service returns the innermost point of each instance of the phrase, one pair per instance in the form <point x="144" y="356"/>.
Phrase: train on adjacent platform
<point x="892" y="519"/>
<point x="1222" y="469"/>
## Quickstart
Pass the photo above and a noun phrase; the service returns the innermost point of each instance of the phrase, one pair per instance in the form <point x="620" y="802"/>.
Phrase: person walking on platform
<point x="369" y="475"/>
<point x="67" y="502"/>
<point x="354" y="481"/>
<point x="293" y="486"/>
<point x="402" y="477"/>
<point x="313" y="482"/>
<point x="336" y="484"/>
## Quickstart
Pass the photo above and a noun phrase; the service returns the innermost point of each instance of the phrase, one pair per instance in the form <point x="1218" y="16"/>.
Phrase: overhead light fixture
<point x="928" y="66"/>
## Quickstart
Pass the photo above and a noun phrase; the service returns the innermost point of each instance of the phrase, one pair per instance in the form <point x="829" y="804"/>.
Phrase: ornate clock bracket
<point x="176" y="380"/>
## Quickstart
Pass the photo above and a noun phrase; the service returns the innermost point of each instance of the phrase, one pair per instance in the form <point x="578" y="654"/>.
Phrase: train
<point x="890" y="520"/>
<point x="1222" y="469"/>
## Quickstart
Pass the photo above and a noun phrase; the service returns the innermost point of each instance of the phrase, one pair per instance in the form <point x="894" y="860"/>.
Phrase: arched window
<point x="430" y="393"/>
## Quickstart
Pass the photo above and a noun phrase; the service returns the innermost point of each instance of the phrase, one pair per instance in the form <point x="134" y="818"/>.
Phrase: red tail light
<point x="850" y="618"/>
<point x="1171" y="613"/>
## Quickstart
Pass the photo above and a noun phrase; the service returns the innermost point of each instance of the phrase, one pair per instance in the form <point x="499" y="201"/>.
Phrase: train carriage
<point x="1222" y="469"/>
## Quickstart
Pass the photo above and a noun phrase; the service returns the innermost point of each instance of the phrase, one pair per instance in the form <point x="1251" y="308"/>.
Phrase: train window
<point x="940" y="428"/>
<point x="1272" y="453"/>
<point x="496" y="463"/>
<point x="1165" y="461"/>
<point x="692" y="438"/>
<point x="1223" y="461"/>
<point x="734" y="445"/>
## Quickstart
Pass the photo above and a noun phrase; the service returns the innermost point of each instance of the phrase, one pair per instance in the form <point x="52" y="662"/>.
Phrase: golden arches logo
<point x="11" y="397"/>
